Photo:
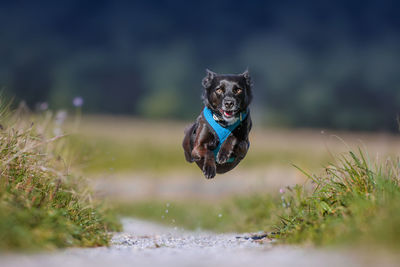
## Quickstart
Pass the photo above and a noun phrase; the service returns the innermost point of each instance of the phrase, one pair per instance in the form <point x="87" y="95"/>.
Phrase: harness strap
<point x="222" y="132"/>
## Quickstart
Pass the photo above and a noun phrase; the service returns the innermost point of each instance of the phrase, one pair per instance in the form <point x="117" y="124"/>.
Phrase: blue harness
<point x="222" y="132"/>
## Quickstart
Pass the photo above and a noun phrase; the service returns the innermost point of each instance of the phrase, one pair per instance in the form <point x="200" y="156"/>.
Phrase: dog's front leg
<point x="242" y="148"/>
<point x="201" y="151"/>
<point x="209" y="167"/>
<point x="226" y="149"/>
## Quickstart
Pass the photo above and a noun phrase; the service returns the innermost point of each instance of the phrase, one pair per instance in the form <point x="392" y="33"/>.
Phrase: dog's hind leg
<point x="187" y="148"/>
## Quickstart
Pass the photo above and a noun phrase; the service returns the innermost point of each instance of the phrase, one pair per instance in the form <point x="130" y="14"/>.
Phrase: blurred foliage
<point x="314" y="63"/>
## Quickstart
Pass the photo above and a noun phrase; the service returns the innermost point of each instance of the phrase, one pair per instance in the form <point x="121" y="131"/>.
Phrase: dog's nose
<point x="228" y="103"/>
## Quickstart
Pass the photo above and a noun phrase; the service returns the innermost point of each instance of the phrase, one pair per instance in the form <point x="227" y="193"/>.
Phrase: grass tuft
<point x="354" y="201"/>
<point x="42" y="205"/>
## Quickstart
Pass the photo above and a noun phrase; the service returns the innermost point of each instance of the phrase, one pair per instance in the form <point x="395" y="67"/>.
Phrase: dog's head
<point x="226" y="94"/>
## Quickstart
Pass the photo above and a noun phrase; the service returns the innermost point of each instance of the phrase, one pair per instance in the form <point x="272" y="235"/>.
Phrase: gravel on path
<point x="148" y="244"/>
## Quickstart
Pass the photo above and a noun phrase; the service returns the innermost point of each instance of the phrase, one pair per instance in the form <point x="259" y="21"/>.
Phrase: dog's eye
<point x="237" y="90"/>
<point x="219" y="91"/>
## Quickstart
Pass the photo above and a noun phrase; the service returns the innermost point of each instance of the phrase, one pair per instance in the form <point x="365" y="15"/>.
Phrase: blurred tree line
<point x="314" y="63"/>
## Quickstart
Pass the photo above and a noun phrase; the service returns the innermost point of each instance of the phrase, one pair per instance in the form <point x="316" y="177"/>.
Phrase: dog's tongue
<point x="228" y="113"/>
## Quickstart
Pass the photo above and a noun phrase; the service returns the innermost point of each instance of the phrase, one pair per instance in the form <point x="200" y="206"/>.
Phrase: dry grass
<point x="42" y="205"/>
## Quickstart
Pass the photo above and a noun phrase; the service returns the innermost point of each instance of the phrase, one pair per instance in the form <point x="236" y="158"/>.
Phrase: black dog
<point x="219" y="139"/>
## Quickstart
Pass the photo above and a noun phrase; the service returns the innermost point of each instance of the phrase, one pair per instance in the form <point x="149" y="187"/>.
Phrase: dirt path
<point x="148" y="244"/>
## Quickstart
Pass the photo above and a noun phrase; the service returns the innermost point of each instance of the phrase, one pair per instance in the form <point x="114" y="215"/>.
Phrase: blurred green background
<point x="330" y="64"/>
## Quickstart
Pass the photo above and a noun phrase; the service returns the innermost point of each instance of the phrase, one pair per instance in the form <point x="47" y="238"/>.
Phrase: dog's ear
<point x="208" y="79"/>
<point x="246" y="76"/>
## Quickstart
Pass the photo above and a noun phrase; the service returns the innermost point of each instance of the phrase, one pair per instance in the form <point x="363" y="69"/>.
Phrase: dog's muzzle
<point x="229" y="105"/>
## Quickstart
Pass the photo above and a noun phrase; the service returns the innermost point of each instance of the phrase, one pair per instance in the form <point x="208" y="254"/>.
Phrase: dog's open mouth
<point x="229" y="113"/>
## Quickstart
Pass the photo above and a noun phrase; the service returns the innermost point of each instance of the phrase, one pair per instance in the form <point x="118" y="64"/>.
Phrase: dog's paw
<point x="223" y="156"/>
<point x="188" y="157"/>
<point x="242" y="148"/>
<point x="195" y="156"/>
<point x="209" y="170"/>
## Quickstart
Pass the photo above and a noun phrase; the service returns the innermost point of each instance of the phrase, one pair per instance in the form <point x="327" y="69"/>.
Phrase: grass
<point x="242" y="214"/>
<point x="124" y="144"/>
<point x="354" y="202"/>
<point x="43" y="205"/>
<point x="100" y="155"/>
